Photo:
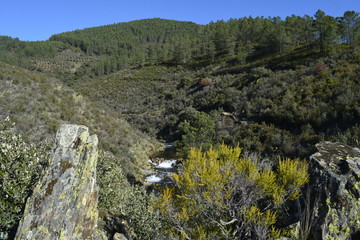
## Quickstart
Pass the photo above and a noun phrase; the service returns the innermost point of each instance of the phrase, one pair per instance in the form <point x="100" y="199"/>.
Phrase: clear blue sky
<point x="32" y="20"/>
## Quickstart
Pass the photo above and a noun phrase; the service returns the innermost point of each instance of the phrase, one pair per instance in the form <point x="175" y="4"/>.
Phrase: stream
<point x="165" y="165"/>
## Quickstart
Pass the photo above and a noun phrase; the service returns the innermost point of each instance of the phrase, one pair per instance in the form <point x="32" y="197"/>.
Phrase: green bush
<point x="21" y="165"/>
<point x="117" y="195"/>
<point x="197" y="130"/>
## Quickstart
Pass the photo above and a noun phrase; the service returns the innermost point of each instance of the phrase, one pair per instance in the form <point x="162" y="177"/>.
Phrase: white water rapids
<point x="163" y="169"/>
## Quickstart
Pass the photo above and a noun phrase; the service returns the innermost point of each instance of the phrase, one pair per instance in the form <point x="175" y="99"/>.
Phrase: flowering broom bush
<point x="223" y="195"/>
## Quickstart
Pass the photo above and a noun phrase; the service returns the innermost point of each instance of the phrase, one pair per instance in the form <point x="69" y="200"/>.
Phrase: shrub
<point x="204" y="82"/>
<point x="117" y="195"/>
<point x="223" y="195"/>
<point x="350" y="137"/>
<point x="319" y="68"/>
<point x="198" y="130"/>
<point x="185" y="82"/>
<point x="21" y="165"/>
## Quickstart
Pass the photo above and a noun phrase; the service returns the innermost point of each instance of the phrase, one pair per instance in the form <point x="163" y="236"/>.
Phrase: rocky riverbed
<point x="164" y="166"/>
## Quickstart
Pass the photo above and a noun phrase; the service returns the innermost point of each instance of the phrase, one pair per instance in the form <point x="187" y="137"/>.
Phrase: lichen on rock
<point x="335" y="179"/>
<point x="64" y="203"/>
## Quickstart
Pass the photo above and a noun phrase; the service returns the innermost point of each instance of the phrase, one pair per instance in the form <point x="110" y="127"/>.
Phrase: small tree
<point x="197" y="131"/>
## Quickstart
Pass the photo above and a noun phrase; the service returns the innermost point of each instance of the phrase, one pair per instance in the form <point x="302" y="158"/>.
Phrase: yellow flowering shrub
<point x="220" y="193"/>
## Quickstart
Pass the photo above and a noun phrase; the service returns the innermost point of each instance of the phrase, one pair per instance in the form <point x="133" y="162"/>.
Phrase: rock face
<point x="335" y="184"/>
<point x="64" y="203"/>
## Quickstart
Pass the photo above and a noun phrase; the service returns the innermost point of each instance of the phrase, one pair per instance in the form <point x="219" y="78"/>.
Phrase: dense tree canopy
<point x="158" y="40"/>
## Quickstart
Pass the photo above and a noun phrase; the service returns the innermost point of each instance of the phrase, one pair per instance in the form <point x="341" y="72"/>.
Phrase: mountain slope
<point x="114" y="38"/>
<point x="275" y="111"/>
<point x="273" y="85"/>
<point x="38" y="104"/>
<point x="42" y="56"/>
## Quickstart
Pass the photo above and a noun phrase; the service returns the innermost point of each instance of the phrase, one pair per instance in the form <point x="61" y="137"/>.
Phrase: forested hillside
<point x="157" y="40"/>
<point x="283" y="84"/>
<point x="275" y="85"/>
<point x="268" y="88"/>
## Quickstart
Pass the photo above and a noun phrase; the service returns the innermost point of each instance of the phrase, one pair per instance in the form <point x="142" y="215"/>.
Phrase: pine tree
<point x="350" y="27"/>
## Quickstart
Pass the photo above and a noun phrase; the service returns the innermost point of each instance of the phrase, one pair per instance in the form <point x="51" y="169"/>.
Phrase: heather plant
<point x="21" y="165"/>
<point x="221" y="194"/>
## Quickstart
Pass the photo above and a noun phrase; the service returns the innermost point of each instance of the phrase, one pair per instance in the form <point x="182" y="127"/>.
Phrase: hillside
<point x="129" y="44"/>
<point x="281" y="86"/>
<point x="272" y="111"/>
<point x="128" y="36"/>
<point x="269" y="88"/>
<point x="38" y="103"/>
<point x="42" y="56"/>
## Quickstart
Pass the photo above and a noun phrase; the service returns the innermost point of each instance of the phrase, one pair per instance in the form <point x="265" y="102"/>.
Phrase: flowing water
<point x="164" y="166"/>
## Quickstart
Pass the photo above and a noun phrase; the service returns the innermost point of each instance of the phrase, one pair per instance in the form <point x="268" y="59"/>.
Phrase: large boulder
<point x="64" y="203"/>
<point x="335" y="189"/>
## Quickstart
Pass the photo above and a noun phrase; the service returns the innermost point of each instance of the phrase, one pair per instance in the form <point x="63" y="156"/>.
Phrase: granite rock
<point x="64" y="203"/>
<point x="335" y="186"/>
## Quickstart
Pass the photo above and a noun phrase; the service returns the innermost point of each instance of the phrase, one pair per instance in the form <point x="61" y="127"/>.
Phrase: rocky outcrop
<point x="335" y="190"/>
<point x="64" y="203"/>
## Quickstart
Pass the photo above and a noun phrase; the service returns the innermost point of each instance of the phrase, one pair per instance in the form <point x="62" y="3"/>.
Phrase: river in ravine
<point x="165" y="165"/>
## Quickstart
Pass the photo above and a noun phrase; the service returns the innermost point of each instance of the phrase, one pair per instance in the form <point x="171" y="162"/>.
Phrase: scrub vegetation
<point x="244" y="101"/>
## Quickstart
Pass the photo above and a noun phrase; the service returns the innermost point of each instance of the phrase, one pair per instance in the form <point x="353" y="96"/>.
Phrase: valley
<point x="257" y="90"/>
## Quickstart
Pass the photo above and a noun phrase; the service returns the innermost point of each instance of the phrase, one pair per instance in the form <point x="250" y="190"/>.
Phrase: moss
<point x="64" y="165"/>
<point x="50" y="187"/>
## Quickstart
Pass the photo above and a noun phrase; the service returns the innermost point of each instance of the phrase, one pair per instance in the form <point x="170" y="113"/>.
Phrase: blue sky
<point x="32" y="20"/>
